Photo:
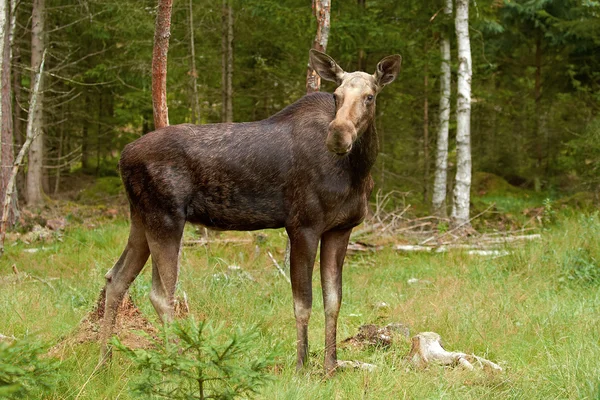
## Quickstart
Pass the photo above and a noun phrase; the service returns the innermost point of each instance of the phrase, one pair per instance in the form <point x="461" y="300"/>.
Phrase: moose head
<point x="354" y="97"/>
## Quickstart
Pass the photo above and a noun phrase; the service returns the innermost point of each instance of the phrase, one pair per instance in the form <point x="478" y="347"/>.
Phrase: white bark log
<point x="36" y="151"/>
<point x="462" y="186"/>
<point x="427" y="349"/>
<point x="441" y="161"/>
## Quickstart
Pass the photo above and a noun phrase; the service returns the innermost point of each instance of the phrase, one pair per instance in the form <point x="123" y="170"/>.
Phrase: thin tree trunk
<point x="194" y="73"/>
<point x="229" y="113"/>
<point x="462" y="187"/>
<point x="426" y="131"/>
<point x="441" y="160"/>
<point x="17" y="121"/>
<point x="162" y="32"/>
<point x="35" y="173"/>
<point x="224" y="47"/>
<point x="60" y="152"/>
<point x="85" y="137"/>
<point x="361" y="52"/>
<point x="6" y="136"/>
<point x="321" y="10"/>
<point x="31" y="135"/>
<point x="539" y="118"/>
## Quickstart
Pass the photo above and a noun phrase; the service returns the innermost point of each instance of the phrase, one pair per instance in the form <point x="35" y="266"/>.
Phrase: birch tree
<point x="6" y="135"/>
<point x="441" y="161"/>
<point x="321" y="11"/>
<point x="462" y="187"/>
<point x="35" y="174"/>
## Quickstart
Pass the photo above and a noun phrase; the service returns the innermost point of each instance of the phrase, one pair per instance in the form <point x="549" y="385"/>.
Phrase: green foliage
<point x="514" y="310"/>
<point x="191" y="361"/>
<point x="580" y="267"/>
<point x="25" y="371"/>
<point x="101" y="189"/>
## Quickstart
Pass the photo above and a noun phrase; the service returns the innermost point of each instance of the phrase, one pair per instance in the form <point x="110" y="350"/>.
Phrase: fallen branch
<point x="204" y="241"/>
<point x="278" y="267"/>
<point x="459" y="226"/>
<point x="427" y="349"/>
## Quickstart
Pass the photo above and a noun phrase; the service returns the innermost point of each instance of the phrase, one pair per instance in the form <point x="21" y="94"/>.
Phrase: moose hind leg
<point x="120" y="277"/>
<point x="165" y="270"/>
<point x="302" y="258"/>
<point x="333" y="251"/>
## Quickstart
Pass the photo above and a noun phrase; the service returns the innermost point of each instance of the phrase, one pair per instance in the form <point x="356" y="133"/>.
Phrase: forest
<point x="534" y="82"/>
<point x="513" y="275"/>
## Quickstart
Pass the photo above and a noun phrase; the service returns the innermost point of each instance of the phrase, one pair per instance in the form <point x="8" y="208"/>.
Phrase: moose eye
<point x="369" y="98"/>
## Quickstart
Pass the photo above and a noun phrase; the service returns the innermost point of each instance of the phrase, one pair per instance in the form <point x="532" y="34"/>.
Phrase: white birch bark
<point x="441" y="161"/>
<point x="462" y="186"/>
<point x="36" y="151"/>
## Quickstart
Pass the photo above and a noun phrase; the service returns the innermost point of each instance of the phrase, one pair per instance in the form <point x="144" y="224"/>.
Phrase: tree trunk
<point x="17" y="121"/>
<point x="426" y="130"/>
<point x="539" y="117"/>
<point x="441" y="161"/>
<point x="194" y="72"/>
<point x="462" y="187"/>
<point x="61" y="140"/>
<point x="361" y="52"/>
<point x="35" y="173"/>
<point x="162" y="32"/>
<point x="224" y="61"/>
<point x="321" y="10"/>
<point x="229" y="112"/>
<point x="6" y="141"/>
<point x="31" y="134"/>
<point x="85" y="137"/>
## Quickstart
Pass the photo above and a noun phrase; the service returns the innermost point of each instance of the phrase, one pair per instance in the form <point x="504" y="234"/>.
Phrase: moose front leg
<point x="333" y="251"/>
<point x="302" y="259"/>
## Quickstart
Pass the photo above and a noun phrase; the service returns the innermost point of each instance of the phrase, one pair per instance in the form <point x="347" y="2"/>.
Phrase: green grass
<point x="535" y="311"/>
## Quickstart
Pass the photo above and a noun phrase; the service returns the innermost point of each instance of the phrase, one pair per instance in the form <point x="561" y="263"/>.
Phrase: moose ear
<point x="387" y="70"/>
<point x="326" y="66"/>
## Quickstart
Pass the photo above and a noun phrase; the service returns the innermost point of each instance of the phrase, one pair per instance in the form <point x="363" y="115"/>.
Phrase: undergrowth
<point x="534" y="311"/>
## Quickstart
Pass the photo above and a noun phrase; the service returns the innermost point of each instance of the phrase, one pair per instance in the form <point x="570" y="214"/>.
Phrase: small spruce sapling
<point x="191" y="361"/>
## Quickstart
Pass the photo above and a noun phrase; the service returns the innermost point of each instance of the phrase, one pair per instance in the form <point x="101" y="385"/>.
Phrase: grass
<point x="535" y="311"/>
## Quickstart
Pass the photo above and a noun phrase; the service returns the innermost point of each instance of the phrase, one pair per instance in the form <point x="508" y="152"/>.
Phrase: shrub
<point x="191" y="361"/>
<point x="23" y="374"/>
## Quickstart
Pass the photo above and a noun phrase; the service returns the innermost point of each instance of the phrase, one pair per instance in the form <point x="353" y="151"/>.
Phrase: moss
<point x="485" y="183"/>
<point x="101" y="189"/>
<point x="581" y="201"/>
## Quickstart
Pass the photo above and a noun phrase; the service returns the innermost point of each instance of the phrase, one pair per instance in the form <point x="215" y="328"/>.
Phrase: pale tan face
<point x="355" y="110"/>
<point x="354" y="97"/>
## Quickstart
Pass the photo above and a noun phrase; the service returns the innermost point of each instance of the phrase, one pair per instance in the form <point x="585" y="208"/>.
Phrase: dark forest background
<point x="536" y="75"/>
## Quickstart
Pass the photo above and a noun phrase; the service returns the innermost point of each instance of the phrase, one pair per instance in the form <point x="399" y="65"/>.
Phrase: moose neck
<point x="363" y="156"/>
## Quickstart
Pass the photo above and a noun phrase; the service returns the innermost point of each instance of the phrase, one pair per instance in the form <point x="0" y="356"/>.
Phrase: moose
<point x="305" y="169"/>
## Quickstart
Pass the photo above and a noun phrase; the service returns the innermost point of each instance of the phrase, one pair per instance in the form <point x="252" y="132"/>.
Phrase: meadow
<point x="534" y="311"/>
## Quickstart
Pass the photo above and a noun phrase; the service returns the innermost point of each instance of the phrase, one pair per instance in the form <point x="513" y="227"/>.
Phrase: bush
<point x="23" y="374"/>
<point x="192" y="362"/>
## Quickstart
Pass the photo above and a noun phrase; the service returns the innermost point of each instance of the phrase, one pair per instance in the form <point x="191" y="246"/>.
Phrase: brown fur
<point x="274" y="173"/>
